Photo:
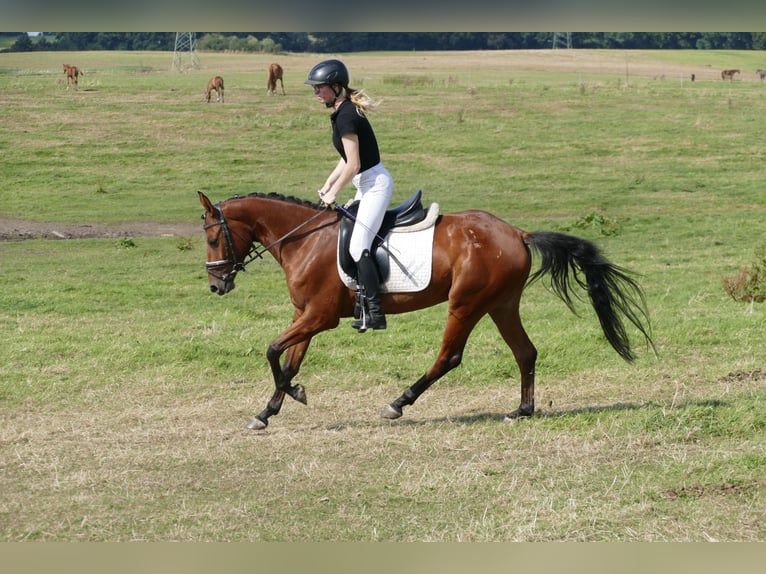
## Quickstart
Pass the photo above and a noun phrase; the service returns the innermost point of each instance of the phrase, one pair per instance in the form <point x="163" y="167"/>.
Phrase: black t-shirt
<point x="346" y="120"/>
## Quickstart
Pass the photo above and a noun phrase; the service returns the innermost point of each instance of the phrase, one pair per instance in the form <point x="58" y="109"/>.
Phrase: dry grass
<point x="151" y="466"/>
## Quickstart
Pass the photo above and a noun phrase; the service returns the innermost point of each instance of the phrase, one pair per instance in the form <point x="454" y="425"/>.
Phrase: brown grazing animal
<point x="275" y="73"/>
<point x="215" y="84"/>
<point x="71" y="75"/>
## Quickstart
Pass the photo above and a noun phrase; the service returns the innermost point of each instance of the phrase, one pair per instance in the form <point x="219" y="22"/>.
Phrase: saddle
<point x="408" y="213"/>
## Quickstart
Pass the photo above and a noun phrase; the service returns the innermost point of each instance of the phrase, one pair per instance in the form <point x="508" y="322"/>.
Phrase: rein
<point x="252" y="254"/>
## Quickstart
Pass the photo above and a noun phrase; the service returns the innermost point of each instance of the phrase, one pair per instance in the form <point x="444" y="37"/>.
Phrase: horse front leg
<point x="283" y="375"/>
<point x="261" y="421"/>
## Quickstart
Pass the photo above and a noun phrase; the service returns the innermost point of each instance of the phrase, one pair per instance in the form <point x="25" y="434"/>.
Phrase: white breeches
<point x="374" y="189"/>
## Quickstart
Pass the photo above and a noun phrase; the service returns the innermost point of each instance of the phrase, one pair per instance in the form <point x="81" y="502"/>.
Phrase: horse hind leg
<point x="508" y="322"/>
<point x="450" y="356"/>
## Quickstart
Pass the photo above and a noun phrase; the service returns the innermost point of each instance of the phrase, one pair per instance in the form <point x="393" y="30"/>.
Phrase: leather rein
<point x="252" y="254"/>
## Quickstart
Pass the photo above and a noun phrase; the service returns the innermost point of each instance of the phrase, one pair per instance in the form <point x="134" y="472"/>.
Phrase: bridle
<point x="252" y="254"/>
<point x="231" y="254"/>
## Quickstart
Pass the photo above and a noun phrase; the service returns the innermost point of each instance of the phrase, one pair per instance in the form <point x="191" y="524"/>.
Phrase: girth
<point x="408" y="213"/>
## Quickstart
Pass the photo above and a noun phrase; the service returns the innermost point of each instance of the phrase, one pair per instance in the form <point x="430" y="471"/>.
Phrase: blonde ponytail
<point x="362" y="101"/>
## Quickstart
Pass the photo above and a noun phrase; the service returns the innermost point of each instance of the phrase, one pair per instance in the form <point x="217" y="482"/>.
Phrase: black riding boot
<point x="372" y="316"/>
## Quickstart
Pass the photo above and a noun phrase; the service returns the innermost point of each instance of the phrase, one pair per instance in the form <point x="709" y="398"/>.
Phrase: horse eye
<point x="213" y="243"/>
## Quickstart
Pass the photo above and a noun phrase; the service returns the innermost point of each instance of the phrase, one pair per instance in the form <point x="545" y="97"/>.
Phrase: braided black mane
<point x="280" y="197"/>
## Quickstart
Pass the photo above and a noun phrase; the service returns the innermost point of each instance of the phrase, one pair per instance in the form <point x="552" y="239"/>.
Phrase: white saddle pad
<point x="408" y="251"/>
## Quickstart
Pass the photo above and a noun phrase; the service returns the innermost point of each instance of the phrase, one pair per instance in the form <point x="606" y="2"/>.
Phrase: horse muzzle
<point x="221" y="287"/>
<point x="220" y="283"/>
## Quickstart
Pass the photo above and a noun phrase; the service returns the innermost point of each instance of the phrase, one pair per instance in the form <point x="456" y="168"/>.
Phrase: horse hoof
<point x="299" y="394"/>
<point x="391" y="412"/>
<point x="257" y="424"/>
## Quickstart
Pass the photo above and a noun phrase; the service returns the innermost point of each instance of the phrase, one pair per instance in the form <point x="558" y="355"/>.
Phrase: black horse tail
<point x="613" y="292"/>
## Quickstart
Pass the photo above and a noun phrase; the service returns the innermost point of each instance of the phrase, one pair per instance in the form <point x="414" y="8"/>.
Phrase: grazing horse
<point x="761" y="74"/>
<point x="71" y="75"/>
<point x="480" y="265"/>
<point x="217" y="85"/>
<point x="728" y="74"/>
<point x="275" y="73"/>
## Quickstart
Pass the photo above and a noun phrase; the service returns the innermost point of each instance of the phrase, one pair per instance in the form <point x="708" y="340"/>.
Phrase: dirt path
<point x="19" y="230"/>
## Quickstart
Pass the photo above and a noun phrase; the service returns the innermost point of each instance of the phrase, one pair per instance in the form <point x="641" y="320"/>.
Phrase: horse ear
<point x="206" y="203"/>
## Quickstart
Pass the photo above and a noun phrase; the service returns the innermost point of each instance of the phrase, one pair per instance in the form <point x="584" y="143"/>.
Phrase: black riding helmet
<point x="330" y="72"/>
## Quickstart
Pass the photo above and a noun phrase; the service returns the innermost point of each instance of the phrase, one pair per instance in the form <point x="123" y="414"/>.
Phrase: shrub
<point x="602" y="224"/>
<point x="749" y="284"/>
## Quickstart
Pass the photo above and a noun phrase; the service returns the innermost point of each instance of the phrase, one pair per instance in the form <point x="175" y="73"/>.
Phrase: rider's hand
<point x="326" y="197"/>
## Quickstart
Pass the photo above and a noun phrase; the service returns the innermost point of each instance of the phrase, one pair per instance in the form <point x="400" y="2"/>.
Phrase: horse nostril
<point x="213" y="289"/>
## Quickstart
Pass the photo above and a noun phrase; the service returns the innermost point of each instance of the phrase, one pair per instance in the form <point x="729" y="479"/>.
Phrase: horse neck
<point x="269" y="219"/>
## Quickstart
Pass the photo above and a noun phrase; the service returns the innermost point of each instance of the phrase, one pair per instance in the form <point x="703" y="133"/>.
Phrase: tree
<point x="22" y="44"/>
<point x="758" y="41"/>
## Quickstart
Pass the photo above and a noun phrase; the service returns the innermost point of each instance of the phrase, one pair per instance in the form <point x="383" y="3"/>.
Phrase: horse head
<point x="228" y="245"/>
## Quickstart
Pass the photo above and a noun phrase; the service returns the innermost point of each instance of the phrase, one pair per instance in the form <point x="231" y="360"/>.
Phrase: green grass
<point x="125" y="385"/>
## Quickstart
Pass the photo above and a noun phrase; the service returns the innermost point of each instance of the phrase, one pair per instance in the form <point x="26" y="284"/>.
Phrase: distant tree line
<point x="75" y="41"/>
<point x="320" y="42"/>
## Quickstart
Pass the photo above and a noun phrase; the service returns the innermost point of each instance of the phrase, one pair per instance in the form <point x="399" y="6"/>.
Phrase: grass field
<point x="125" y="385"/>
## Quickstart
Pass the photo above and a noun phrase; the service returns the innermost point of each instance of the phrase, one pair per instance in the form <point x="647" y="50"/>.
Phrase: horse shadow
<point x="477" y="418"/>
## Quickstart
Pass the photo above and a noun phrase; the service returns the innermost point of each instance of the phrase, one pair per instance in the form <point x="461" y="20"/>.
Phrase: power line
<point x="185" y="52"/>
<point x="562" y="40"/>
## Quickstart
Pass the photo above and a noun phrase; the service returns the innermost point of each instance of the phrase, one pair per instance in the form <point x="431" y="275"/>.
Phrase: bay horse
<point x="71" y="75"/>
<point x="761" y="74"/>
<point x="728" y="74"/>
<point x="480" y="265"/>
<point x="215" y="84"/>
<point x="275" y="73"/>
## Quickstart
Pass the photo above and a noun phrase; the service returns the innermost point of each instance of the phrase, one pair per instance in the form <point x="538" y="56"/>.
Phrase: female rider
<point x="360" y="164"/>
